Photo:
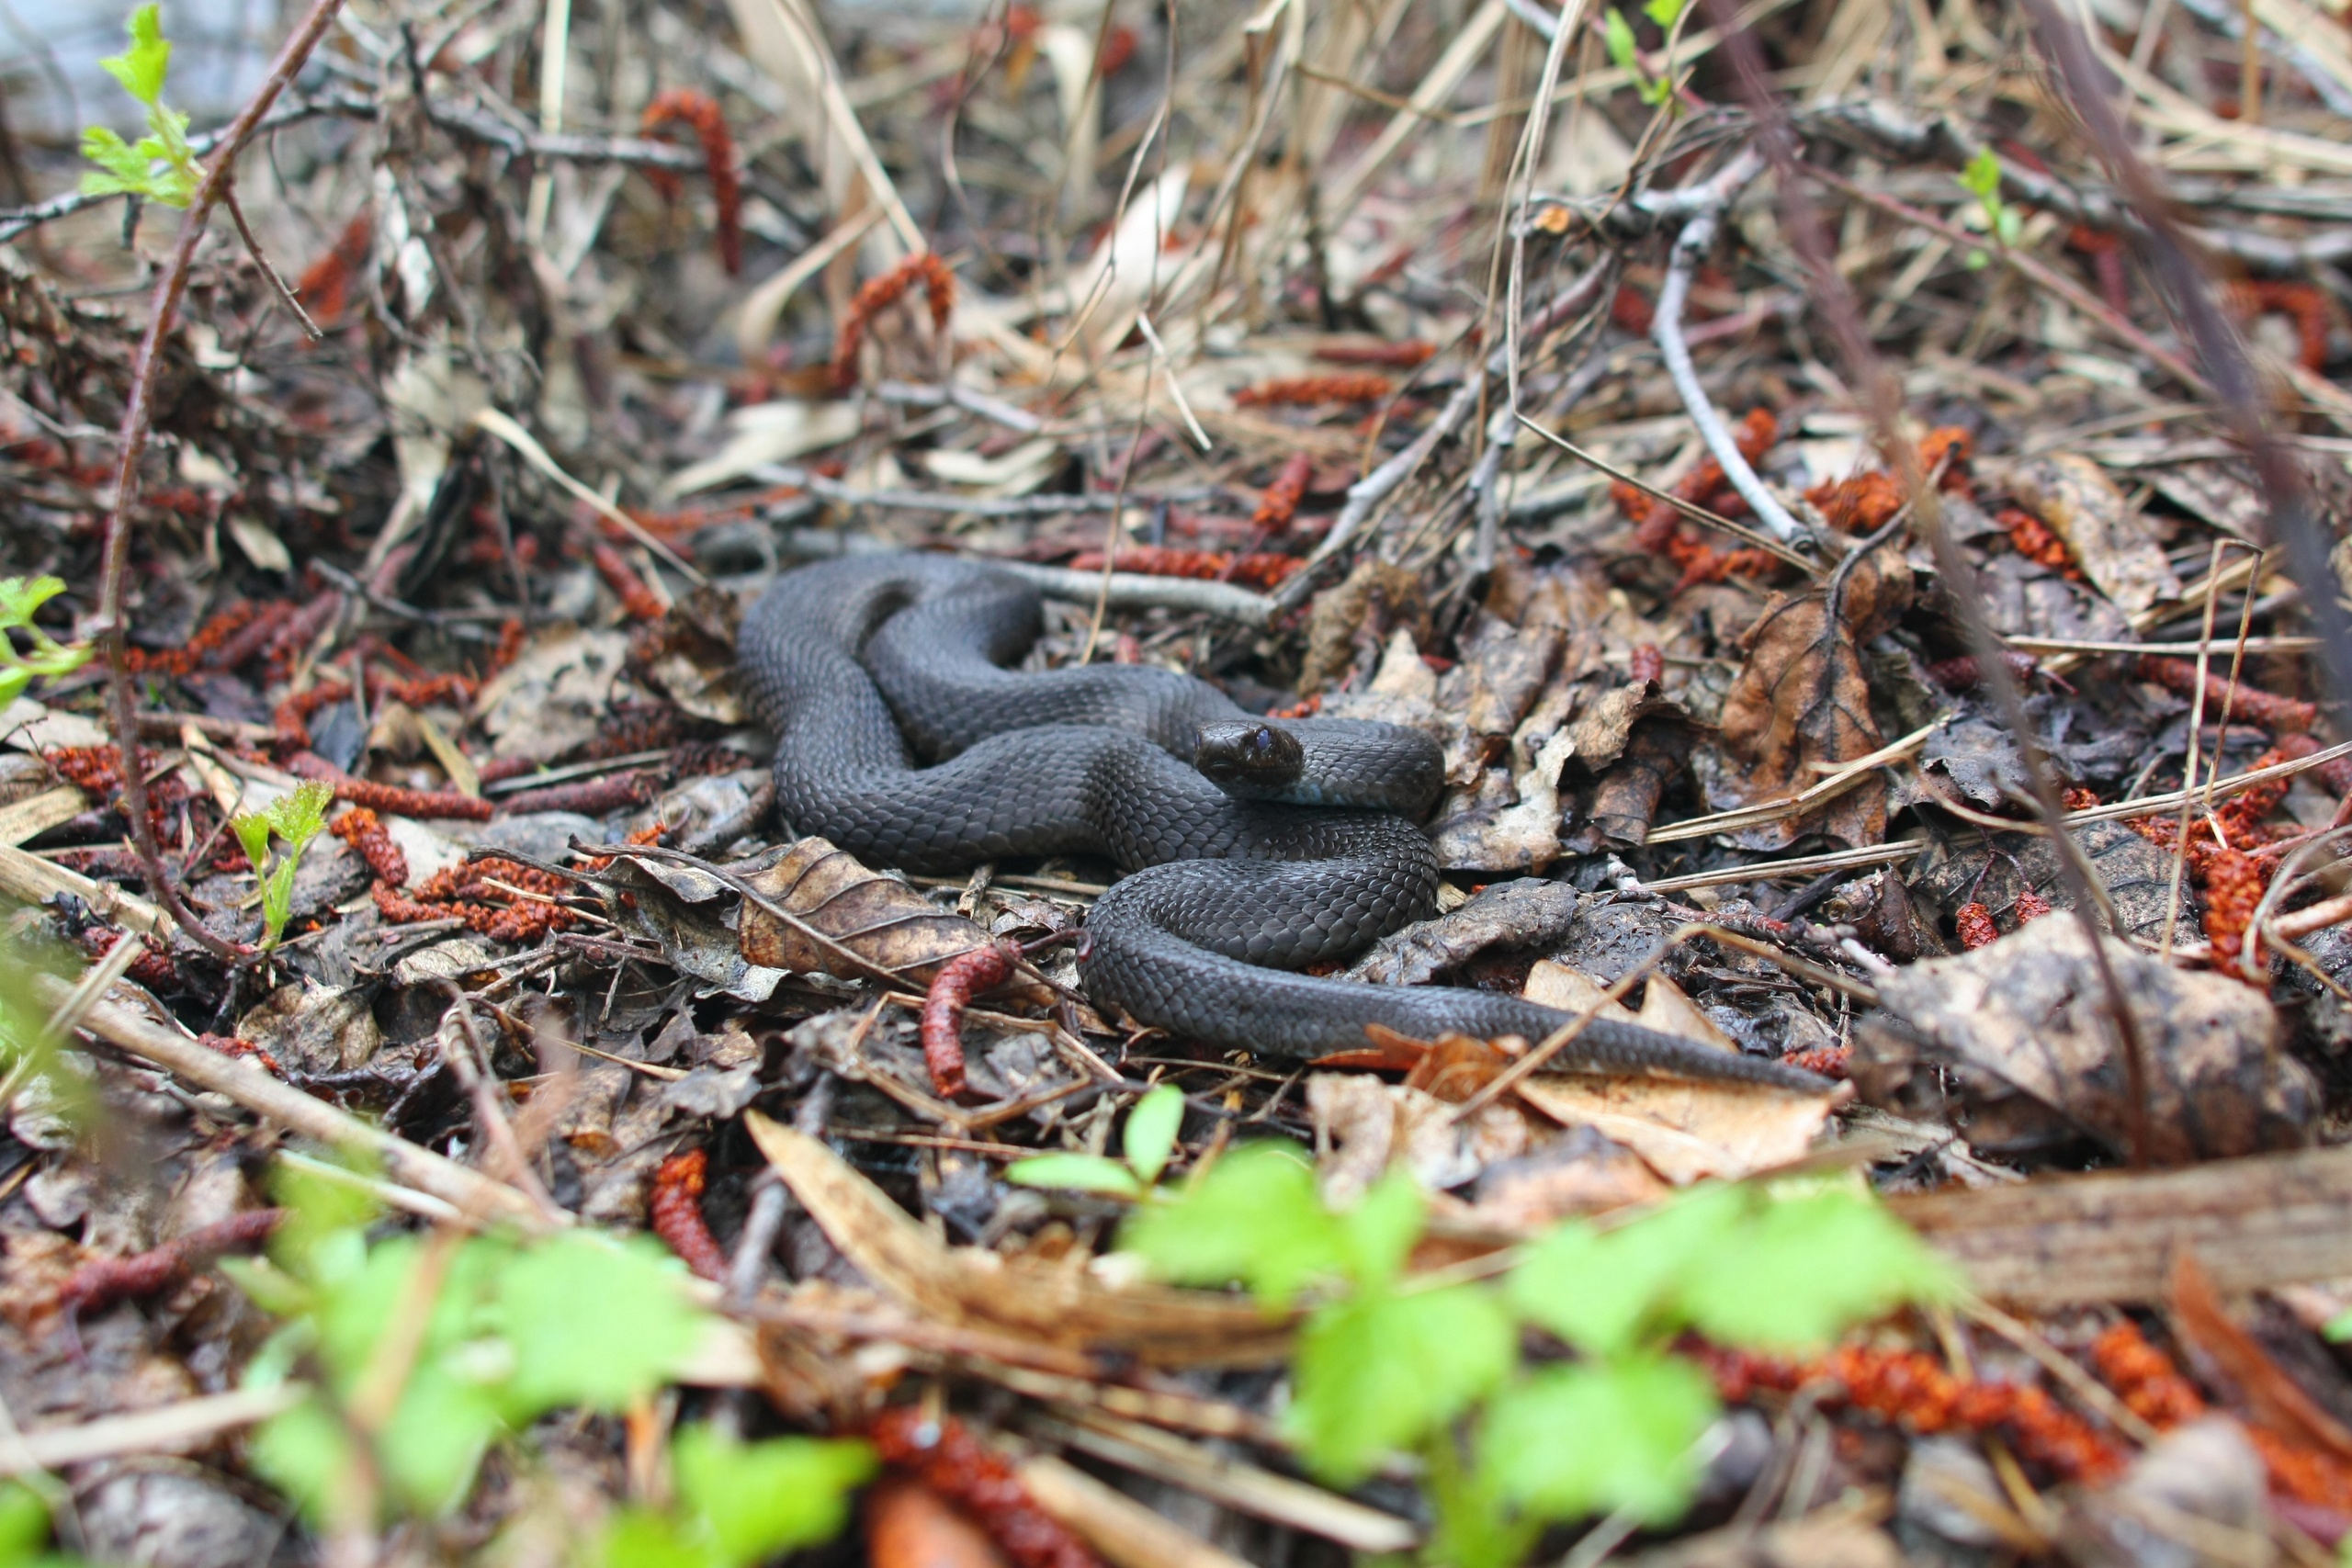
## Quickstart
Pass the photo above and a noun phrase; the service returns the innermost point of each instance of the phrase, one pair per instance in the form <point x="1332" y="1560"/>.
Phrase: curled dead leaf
<point x="2011" y="1044"/>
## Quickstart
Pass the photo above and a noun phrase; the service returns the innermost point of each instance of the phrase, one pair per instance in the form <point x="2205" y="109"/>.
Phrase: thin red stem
<point x="137" y="414"/>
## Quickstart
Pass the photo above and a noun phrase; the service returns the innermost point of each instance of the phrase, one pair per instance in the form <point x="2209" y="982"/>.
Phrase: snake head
<point x="1249" y="758"/>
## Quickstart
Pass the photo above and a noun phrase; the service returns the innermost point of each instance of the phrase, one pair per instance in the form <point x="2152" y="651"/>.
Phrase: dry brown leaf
<point x="1566" y="1174"/>
<point x="1372" y="1126"/>
<point x="1669" y="1008"/>
<point x="819" y="907"/>
<point x="2012" y="1045"/>
<point x="1801" y="706"/>
<point x="2084" y="507"/>
<point x="1684" y="1130"/>
<point x="1554" y="985"/>
<point x="1045" y="1301"/>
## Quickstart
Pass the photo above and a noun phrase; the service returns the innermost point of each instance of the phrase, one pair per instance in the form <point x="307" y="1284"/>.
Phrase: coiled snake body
<point x="1295" y="853"/>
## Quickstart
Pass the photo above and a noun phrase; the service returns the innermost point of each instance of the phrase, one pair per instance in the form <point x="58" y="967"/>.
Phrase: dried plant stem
<point x="2195" y="751"/>
<point x="139" y="410"/>
<point x="276" y="281"/>
<point x="1665" y="331"/>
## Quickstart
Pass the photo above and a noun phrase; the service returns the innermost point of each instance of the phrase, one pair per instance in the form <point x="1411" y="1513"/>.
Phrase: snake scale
<point x="1249" y="847"/>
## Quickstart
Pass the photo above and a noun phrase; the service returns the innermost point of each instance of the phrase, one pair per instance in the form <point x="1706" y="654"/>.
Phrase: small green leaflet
<point x="1744" y="1267"/>
<point x="741" y="1503"/>
<point x="513" y="1332"/>
<point x="1799" y="1271"/>
<point x="1254" y="1217"/>
<point x="298" y="818"/>
<point x="1981" y="176"/>
<point x="1625" y="54"/>
<point x="1152" y="1127"/>
<point x="20" y="600"/>
<point x="1151" y="1138"/>
<point x="159" y="167"/>
<point x="1595" y="1437"/>
<point x="1383" y="1371"/>
<point x="141" y="67"/>
<point x="1075" y="1173"/>
<point x="1622" y="52"/>
<point x="1666" y="12"/>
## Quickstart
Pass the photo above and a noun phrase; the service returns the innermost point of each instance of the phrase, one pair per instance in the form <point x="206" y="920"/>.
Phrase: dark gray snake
<point x="1252" y="847"/>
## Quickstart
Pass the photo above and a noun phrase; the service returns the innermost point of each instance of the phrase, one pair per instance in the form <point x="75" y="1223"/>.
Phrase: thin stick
<point x="1665" y="331"/>
<point x="2196" y="753"/>
<point x="252" y="248"/>
<point x="245" y="1083"/>
<point x="137" y="415"/>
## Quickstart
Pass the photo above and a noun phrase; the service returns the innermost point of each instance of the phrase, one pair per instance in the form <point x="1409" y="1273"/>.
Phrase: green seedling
<point x="1982" y="179"/>
<point x="491" y="1334"/>
<point x="159" y="167"/>
<point x="20" y="598"/>
<point x="1625" y="54"/>
<point x="738" y="1504"/>
<point x="296" y="819"/>
<point x="1386" y="1363"/>
<point x="1150" y="1140"/>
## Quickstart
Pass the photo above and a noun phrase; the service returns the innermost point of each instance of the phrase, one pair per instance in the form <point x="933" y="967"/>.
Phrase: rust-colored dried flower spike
<point x="1256" y="568"/>
<point x="675" y="1212"/>
<point x="365" y="833"/>
<point x="2266" y="710"/>
<point x="1405" y="356"/>
<point x="684" y="105"/>
<point x="1313" y="392"/>
<point x="944" y="1455"/>
<point x="2303" y="303"/>
<point x="1279" y="504"/>
<point x="878" y="295"/>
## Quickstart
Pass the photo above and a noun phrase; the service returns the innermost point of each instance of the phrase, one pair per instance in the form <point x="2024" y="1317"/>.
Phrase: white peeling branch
<point x="1707" y="202"/>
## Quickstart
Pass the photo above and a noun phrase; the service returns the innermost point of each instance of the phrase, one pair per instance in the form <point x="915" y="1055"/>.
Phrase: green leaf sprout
<point x="511" y="1331"/>
<point x="1982" y="178"/>
<point x="296" y="818"/>
<point x="739" y="1504"/>
<point x="159" y="167"/>
<point x="1152" y="1127"/>
<point x="20" y="598"/>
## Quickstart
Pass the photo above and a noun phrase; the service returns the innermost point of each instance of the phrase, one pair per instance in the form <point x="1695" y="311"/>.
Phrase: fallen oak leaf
<point x="817" y="905"/>
<point x="1800" y="705"/>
